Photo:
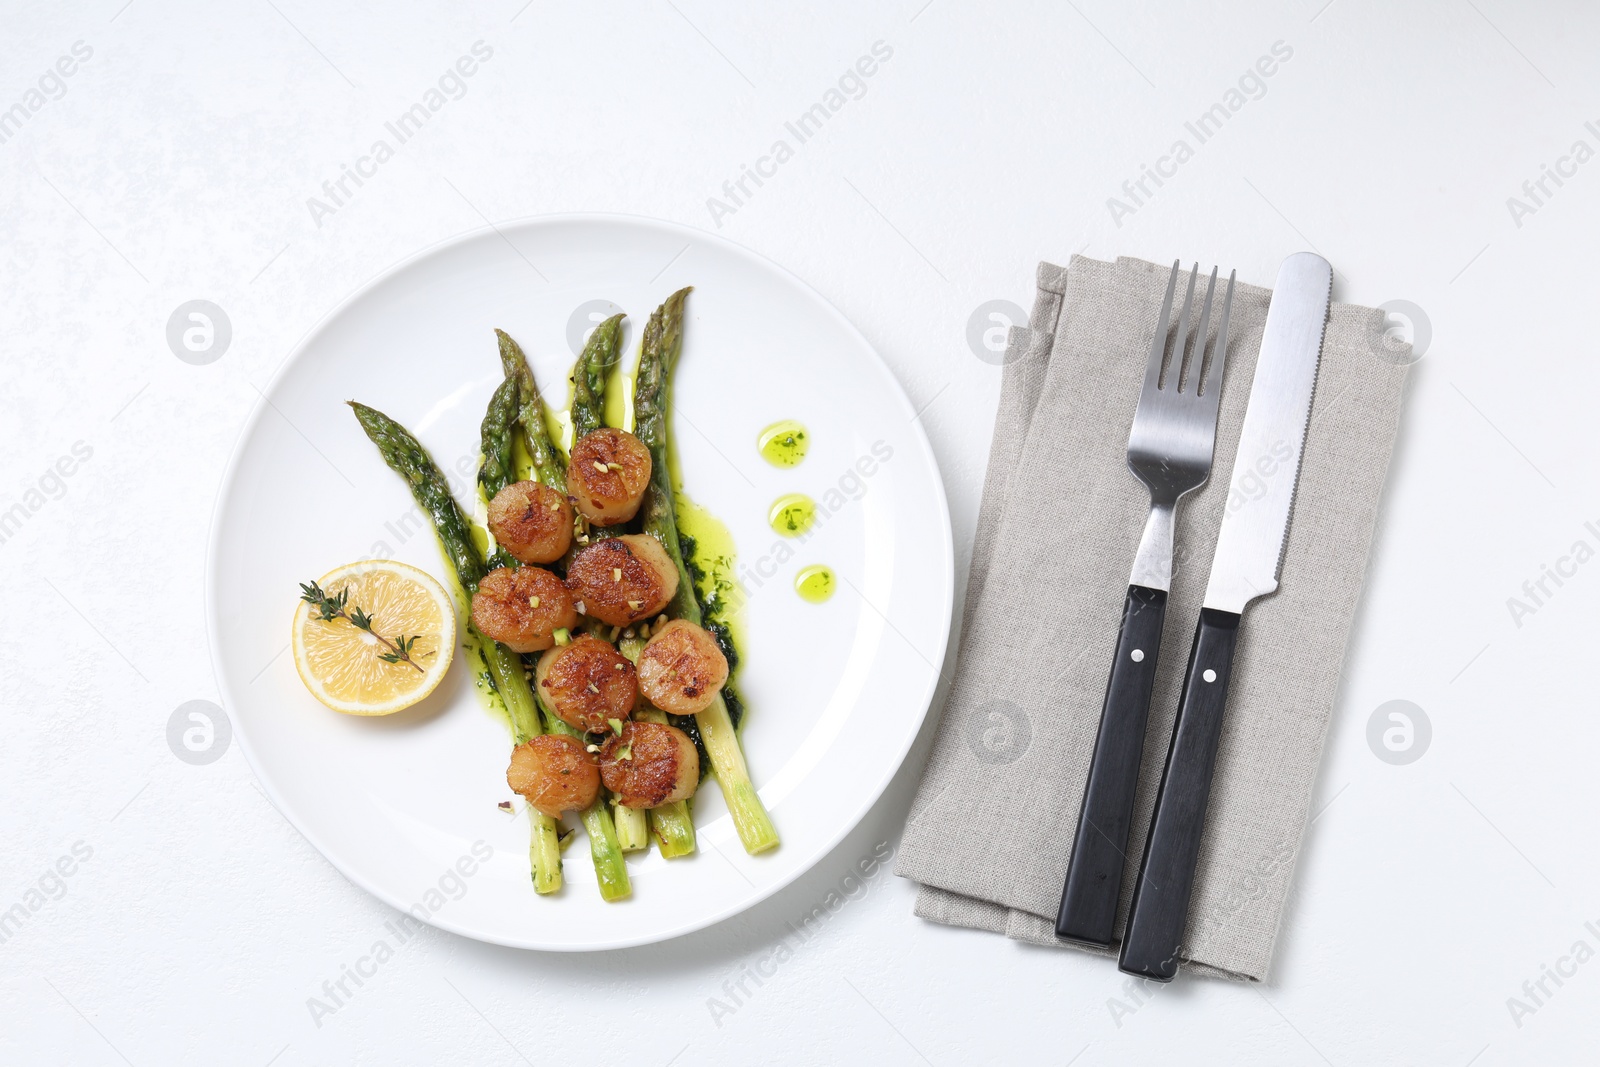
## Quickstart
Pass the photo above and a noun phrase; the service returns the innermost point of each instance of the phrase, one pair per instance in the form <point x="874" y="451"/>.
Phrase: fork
<point x="1169" y="450"/>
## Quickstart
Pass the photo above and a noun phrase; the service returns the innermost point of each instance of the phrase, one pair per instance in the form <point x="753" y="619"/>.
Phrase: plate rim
<point x="226" y="485"/>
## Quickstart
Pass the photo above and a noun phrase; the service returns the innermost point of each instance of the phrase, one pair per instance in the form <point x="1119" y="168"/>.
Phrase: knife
<point x="1246" y="565"/>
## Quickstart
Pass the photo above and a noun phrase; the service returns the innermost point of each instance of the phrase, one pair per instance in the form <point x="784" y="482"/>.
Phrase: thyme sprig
<point x="330" y="606"/>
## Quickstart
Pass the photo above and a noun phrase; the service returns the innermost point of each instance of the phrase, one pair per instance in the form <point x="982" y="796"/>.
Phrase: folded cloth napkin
<point x="991" y="828"/>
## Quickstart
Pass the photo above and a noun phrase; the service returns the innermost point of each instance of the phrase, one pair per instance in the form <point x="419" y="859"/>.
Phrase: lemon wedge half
<point x="342" y="665"/>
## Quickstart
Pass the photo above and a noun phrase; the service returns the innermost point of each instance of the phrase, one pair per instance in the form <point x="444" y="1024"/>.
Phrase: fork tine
<point x="1158" y="347"/>
<point x="1194" y="369"/>
<point x="1212" y="383"/>
<point x="1183" y="331"/>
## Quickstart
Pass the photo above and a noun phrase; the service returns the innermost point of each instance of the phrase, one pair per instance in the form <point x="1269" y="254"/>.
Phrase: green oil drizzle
<point x="792" y="515"/>
<point x="784" y="444"/>
<point x="619" y="393"/>
<point x="558" y="423"/>
<point x="477" y="662"/>
<point x="709" y="557"/>
<point x="814" y="583"/>
<point x="714" y="555"/>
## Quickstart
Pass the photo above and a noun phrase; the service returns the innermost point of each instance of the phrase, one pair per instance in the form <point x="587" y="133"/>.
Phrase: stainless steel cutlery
<point x="1170" y="450"/>
<point x="1245" y="565"/>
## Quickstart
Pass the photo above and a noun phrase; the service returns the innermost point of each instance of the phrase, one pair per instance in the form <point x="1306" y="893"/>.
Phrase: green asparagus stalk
<point x="544" y="461"/>
<point x="499" y="465"/>
<point x="599" y="355"/>
<point x="610" y="870"/>
<point x="589" y="374"/>
<point x="662" y="344"/>
<point x="671" y="824"/>
<point x="406" y="457"/>
<point x="633" y="827"/>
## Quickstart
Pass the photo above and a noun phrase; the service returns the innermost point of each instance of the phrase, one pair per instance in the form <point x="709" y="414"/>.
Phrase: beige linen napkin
<point x="991" y="827"/>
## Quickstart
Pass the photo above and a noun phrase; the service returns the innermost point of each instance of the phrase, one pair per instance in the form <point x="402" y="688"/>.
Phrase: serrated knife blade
<point x="1249" y="554"/>
<point x="1266" y="468"/>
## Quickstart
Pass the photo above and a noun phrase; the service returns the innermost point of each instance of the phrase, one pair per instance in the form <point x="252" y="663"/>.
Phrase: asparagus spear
<point x="671" y="823"/>
<point x="406" y="457"/>
<point x="543" y="459"/>
<point x="633" y="826"/>
<point x="609" y="868"/>
<point x="599" y="355"/>
<point x="499" y="466"/>
<point x="662" y="344"/>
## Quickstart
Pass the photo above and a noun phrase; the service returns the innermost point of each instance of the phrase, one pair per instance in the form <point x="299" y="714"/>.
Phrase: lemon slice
<point x="341" y="665"/>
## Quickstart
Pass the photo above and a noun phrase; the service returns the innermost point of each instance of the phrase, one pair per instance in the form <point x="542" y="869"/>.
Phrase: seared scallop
<point x="621" y="580"/>
<point x="650" y="764"/>
<point x="555" y="773"/>
<point x="682" y="669"/>
<point x="533" y="522"/>
<point x="587" y="683"/>
<point x="522" y="607"/>
<point x="608" y="475"/>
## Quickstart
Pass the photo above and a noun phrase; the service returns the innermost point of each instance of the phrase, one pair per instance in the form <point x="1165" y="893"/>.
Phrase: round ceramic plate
<point x="408" y="806"/>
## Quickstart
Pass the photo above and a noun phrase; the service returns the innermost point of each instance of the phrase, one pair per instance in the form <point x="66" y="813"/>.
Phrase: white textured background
<point x="175" y="164"/>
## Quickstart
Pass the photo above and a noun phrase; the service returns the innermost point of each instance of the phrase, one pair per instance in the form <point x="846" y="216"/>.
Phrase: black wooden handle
<point x="1154" y="937"/>
<point x="1099" y="850"/>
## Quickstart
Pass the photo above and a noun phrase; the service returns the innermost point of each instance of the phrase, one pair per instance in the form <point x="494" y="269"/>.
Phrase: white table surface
<point x="175" y="164"/>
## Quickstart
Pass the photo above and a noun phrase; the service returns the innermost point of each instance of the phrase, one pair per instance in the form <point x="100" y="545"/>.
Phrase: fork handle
<point x="1157" y="921"/>
<point x="1099" y="850"/>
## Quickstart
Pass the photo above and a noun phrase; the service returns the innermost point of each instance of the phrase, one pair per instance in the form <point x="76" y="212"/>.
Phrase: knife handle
<point x="1157" y="920"/>
<point x="1088" y="911"/>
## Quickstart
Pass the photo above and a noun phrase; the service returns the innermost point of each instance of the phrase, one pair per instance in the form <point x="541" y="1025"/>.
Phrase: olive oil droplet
<point x="784" y="444"/>
<point x="793" y="514"/>
<point x="814" y="583"/>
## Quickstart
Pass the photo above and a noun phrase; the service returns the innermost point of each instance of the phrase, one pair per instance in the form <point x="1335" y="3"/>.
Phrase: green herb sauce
<point x="784" y="444"/>
<point x="815" y="583"/>
<point x="793" y="514"/>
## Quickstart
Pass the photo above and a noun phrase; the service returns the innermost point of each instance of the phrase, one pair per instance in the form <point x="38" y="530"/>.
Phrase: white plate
<point x="836" y="692"/>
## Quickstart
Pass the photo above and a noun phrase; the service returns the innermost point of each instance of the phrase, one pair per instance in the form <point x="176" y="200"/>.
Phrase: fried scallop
<point x="533" y="522"/>
<point x="682" y="669"/>
<point x="608" y="475"/>
<point x="650" y="764"/>
<point x="522" y="607"/>
<point x="620" y="580"/>
<point x="555" y="773"/>
<point x="587" y="683"/>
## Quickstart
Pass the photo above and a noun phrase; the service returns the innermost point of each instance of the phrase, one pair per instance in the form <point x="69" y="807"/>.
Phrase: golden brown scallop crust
<point x="620" y="580"/>
<point x="522" y="607"/>
<point x="555" y="773"/>
<point x="533" y="522"/>
<point x="650" y="764"/>
<point x="682" y="669"/>
<point x="587" y="683"/>
<point x="608" y="475"/>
